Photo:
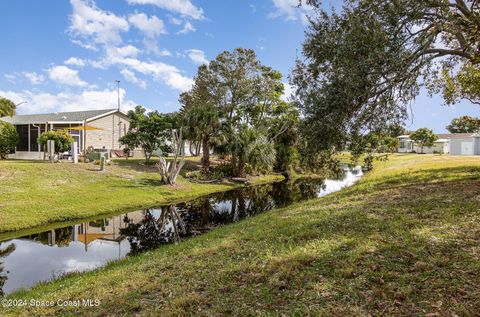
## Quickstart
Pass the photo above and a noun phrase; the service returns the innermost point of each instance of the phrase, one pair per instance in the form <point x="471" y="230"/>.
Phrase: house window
<point x="402" y="143"/>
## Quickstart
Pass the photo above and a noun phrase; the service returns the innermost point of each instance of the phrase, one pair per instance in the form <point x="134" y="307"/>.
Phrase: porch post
<point x="29" y="137"/>
<point x="84" y="141"/>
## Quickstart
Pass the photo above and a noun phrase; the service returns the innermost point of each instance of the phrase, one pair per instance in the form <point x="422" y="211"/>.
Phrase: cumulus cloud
<point x="114" y="53"/>
<point x="151" y="27"/>
<point x="197" y="56"/>
<point x="42" y="102"/>
<point x="75" y="61"/>
<point x="183" y="7"/>
<point x="188" y="27"/>
<point x="290" y="10"/>
<point x="132" y="78"/>
<point x="93" y="24"/>
<point x="168" y="74"/>
<point x="66" y="76"/>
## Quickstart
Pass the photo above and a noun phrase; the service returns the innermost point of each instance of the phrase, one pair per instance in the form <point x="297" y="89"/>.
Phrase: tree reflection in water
<point x="3" y="277"/>
<point x="151" y="231"/>
<point x="203" y="214"/>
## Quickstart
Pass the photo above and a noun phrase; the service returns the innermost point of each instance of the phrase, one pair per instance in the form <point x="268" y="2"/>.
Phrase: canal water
<point x="27" y="260"/>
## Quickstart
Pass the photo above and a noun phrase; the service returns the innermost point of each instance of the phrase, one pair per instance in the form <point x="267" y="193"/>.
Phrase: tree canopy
<point x="423" y="137"/>
<point x="232" y="106"/>
<point x="464" y="124"/>
<point x="8" y="139"/>
<point x="150" y="131"/>
<point x="7" y="107"/>
<point x="364" y="65"/>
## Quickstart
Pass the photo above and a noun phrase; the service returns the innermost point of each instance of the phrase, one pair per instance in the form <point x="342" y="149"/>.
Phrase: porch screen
<point x="22" y="131"/>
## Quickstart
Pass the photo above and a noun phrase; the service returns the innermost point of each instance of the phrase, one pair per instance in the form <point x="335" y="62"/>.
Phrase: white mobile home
<point x="453" y="143"/>
<point x="469" y="145"/>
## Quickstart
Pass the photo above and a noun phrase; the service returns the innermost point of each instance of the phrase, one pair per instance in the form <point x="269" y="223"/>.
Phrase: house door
<point x="467" y="148"/>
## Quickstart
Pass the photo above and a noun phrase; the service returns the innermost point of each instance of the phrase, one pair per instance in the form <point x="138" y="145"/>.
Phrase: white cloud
<point x="168" y="74"/>
<point x="92" y="24"/>
<point x="41" y="102"/>
<point x="183" y="7"/>
<point x="34" y="78"/>
<point x="197" y="56"/>
<point x="66" y="76"/>
<point x="290" y="10"/>
<point x="130" y="77"/>
<point x="188" y="27"/>
<point x="151" y="27"/>
<point x="75" y="61"/>
<point x="113" y="53"/>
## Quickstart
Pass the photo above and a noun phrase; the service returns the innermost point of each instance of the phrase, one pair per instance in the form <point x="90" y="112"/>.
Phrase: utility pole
<point x="118" y="93"/>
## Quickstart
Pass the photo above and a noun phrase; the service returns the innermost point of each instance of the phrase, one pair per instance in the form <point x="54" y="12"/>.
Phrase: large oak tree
<point x="364" y="65"/>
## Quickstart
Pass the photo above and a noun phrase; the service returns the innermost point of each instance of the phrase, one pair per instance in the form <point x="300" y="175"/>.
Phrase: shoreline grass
<point x="402" y="241"/>
<point x="35" y="194"/>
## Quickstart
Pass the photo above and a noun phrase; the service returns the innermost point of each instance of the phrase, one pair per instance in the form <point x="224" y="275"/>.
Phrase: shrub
<point x="62" y="139"/>
<point x="222" y="170"/>
<point x="8" y="139"/>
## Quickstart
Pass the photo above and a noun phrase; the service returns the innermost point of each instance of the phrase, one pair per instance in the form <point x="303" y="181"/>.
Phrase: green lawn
<point x="403" y="241"/>
<point x="34" y="193"/>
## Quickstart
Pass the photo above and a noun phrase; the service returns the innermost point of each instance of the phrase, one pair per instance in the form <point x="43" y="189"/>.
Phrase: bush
<point x="194" y="175"/>
<point x="222" y="170"/>
<point x="62" y="139"/>
<point x="8" y="139"/>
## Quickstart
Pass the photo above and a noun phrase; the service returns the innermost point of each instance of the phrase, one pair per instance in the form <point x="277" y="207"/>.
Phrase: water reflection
<point x="85" y="246"/>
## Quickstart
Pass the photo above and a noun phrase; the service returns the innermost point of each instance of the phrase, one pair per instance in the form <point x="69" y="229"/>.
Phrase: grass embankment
<point x="34" y="193"/>
<point x="403" y="241"/>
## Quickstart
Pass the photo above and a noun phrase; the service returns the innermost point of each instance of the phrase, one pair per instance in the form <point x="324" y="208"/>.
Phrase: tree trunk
<point x="241" y="167"/>
<point x="205" y="156"/>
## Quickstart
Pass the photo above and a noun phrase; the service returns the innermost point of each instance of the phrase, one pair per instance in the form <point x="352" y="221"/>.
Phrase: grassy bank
<point x="403" y="241"/>
<point x="35" y="193"/>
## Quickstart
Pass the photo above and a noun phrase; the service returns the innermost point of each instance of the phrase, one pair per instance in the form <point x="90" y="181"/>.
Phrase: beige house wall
<point x="112" y="127"/>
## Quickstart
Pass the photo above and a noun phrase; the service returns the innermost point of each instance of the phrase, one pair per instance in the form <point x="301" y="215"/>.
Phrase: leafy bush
<point x="8" y="139"/>
<point x="62" y="139"/>
<point x="222" y="170"/>
<point x="194" y="175"/>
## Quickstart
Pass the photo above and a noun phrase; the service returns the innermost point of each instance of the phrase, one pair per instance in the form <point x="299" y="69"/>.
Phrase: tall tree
<point x="464" y="124"/>
<point x="201" y="114"/>
<point x="233" y="101"/>
<point x="7" y="107"/>
<point x="362" y="66"/>
<point x="248" y="92"/>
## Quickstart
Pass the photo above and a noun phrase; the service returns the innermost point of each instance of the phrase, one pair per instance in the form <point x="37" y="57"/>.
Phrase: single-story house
<point x="453" y="143"/>
<point x="105" y="127"/>
<point x="466" y="145"/>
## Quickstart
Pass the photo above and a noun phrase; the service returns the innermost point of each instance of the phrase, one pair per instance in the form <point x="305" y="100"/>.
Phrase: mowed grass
<point x="403" y="241"/>
<point x="34" y="193"/>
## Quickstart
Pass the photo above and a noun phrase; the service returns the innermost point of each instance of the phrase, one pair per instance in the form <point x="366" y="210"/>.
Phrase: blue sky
<point x="66" y="55"/>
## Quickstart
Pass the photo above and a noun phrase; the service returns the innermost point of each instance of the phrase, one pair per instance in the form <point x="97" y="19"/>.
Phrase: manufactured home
<point x="99" y="129"/>
<point x="453" y="143"/>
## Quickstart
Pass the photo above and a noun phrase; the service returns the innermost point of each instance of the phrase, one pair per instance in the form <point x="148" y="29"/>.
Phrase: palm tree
<point x="7" y="107"/>
<point x="201" y="117"/>
<point x="204" y="123"/>
<point x="250" y="145"/>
